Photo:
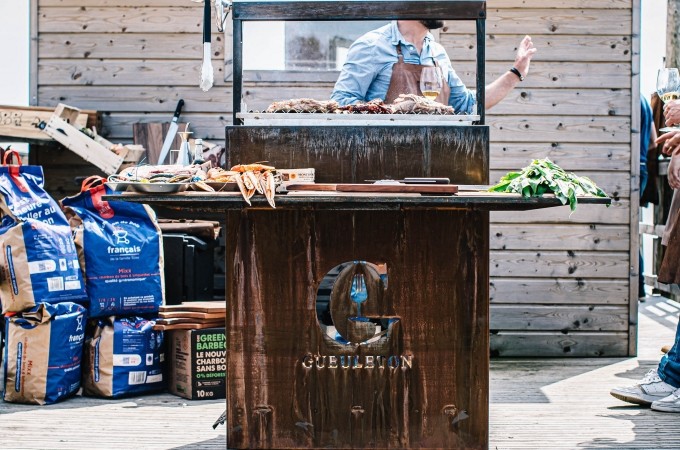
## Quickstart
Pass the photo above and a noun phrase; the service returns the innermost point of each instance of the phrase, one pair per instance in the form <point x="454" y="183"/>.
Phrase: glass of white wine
<point x="668" y="88"/>
<point x="431" y="82"/>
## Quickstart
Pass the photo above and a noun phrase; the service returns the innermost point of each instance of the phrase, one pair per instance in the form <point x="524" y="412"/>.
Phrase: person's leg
<point x="669" y="366"/>
<point x="659" y="385"/>
<point x="669" y="372"/>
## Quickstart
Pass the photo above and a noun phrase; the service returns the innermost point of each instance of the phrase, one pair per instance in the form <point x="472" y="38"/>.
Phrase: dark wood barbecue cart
<point x="393" y="351"/>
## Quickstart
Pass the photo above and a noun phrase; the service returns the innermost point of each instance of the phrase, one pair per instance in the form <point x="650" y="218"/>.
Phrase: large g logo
<point x="356" y="312"/>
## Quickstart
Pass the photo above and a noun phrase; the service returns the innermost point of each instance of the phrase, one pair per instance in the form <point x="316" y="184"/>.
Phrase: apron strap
<point x="400" y="55"/>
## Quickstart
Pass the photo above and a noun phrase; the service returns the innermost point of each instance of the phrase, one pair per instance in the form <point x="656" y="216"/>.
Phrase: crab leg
<point x="254" y="180"/>
<point x="250" y="187"/>
<point x="268" y="186"/>
<point x="242" y="188"/>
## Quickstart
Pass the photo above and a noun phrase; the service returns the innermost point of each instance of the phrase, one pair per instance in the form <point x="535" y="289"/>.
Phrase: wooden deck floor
<point x="535" y="404"/>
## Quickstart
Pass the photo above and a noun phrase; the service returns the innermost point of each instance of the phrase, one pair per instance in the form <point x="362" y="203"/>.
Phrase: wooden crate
<point x="21" y="122"/>
<point x="96" y="150"/>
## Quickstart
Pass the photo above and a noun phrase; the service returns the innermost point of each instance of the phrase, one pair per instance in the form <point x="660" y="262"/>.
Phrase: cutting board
<point x="205" y="307"/>
<point x="151" y="136"/>
<point x="442" y="189"/>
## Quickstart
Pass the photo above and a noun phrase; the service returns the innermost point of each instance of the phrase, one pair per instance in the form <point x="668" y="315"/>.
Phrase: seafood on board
<point x="250" y="178"/>
<point x="161" y="174"/>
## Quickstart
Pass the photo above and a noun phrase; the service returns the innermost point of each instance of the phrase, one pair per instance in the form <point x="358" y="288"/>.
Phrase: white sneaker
<point x="668" y="404"/>
<point x="645" y="391"/>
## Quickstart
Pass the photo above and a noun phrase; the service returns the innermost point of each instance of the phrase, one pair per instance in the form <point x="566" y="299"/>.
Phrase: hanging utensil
<point x="206" y="68"/>
<point x="222" y="9"/>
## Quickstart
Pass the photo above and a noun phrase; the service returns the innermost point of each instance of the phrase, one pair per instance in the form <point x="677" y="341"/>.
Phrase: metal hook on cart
<point x="222" y="10"/>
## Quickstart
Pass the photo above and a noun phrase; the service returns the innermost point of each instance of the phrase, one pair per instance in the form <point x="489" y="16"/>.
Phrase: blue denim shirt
<point x="366" y="74"/>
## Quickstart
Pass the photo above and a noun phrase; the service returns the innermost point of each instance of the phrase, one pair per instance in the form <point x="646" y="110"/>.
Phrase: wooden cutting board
<point x="175" y="321"/>
<point x="206" y="307"/>
<point x="377" y="188"/>
<point x="151" y="136"/>
<point x="186" y="326"/>
<point x="191" y="315"/>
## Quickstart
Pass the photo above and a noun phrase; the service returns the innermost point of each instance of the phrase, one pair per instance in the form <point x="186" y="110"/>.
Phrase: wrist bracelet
<point x="517" y="72"/>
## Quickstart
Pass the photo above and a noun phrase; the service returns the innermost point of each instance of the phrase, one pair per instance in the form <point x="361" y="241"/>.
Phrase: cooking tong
<point x="222" y="10"/>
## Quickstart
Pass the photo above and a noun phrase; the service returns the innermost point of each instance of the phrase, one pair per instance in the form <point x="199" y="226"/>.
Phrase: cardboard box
<point x="198" y="363"/>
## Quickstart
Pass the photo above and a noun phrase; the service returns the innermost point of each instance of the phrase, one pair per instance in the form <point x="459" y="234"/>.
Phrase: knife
<point x="414" y="181"/>
<point x="172" y="131"/>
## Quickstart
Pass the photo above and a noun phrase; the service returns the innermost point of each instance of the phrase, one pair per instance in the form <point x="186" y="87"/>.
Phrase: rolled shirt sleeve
<point x="357" y="75"/>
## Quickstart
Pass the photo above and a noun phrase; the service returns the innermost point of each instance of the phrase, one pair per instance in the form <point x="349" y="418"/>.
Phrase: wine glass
<point x="431" y="82"/>
<point x="668" y="88"/>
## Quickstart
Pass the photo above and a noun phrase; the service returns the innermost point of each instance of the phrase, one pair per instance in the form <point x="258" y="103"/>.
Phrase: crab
<point x="250" y="178"/>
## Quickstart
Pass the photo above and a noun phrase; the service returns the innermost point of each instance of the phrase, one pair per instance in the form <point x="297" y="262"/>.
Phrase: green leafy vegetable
<point x="543" y="176"/>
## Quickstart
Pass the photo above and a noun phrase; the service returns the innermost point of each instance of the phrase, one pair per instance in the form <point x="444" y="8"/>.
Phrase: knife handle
<point x="178" y="110"/>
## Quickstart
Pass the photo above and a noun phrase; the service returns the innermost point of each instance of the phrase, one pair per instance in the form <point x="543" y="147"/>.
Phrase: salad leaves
<point x="543" y="176"/>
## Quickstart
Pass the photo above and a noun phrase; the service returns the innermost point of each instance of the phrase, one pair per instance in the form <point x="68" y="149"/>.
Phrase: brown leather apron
<point x="406" y="80"/>
<point x="669" y="272"/>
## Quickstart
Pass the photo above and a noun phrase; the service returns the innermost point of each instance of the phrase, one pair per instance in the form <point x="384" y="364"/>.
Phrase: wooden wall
<point x="561" y="284"/>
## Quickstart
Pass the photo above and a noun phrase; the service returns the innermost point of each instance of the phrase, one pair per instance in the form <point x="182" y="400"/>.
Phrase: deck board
<point x="535" y="404"/>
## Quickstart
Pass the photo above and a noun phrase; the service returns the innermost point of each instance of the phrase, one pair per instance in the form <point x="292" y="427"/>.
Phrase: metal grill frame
<point x="315" y="10"/>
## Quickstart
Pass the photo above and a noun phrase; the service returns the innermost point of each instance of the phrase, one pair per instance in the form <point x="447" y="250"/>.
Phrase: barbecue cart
<point x="403" y="361"/>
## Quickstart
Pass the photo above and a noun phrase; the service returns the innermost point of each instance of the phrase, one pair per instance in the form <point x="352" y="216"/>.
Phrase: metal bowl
<point x="159" y="188"/>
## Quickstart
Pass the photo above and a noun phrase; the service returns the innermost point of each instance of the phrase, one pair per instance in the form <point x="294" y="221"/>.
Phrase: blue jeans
<point x="669" y="367"/>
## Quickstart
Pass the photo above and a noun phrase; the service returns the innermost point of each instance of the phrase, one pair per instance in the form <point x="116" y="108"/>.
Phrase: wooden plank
<point x="163" y="46"/>
<point x="616" y="214"/>
<point x="557" y="291"/>
<point x="215" y="321"/>
<point x="96" y="72"/>
<point x="560" y="237"/>
<point x="88" y="149"/>
<point x="113" y="3"/>
<point x="570" y="156"/>
<point x="190" y="315"/>
<point x="490" y="4"/>
<point x="119" y="126"/>
<point x="563" y="318"/>
<point x="560" y="129"/>
<point x="139" y="19"/>
<point x="553" y="74"/>
<point x="556" y="4"/>
<point x="152" y="98"/>
<point x="615" y="184"/>
<point x="635" y="176"/>
<point x="559" y="264"/>
<point x="188" y="326"/>
<point x="566" y="102"/>
<point x="538" y="21"/>
<point x="22" y="122"/>
<point x="556" y="344"/>
<point x="204" y="307"/>
<point x="553" y="48"/>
